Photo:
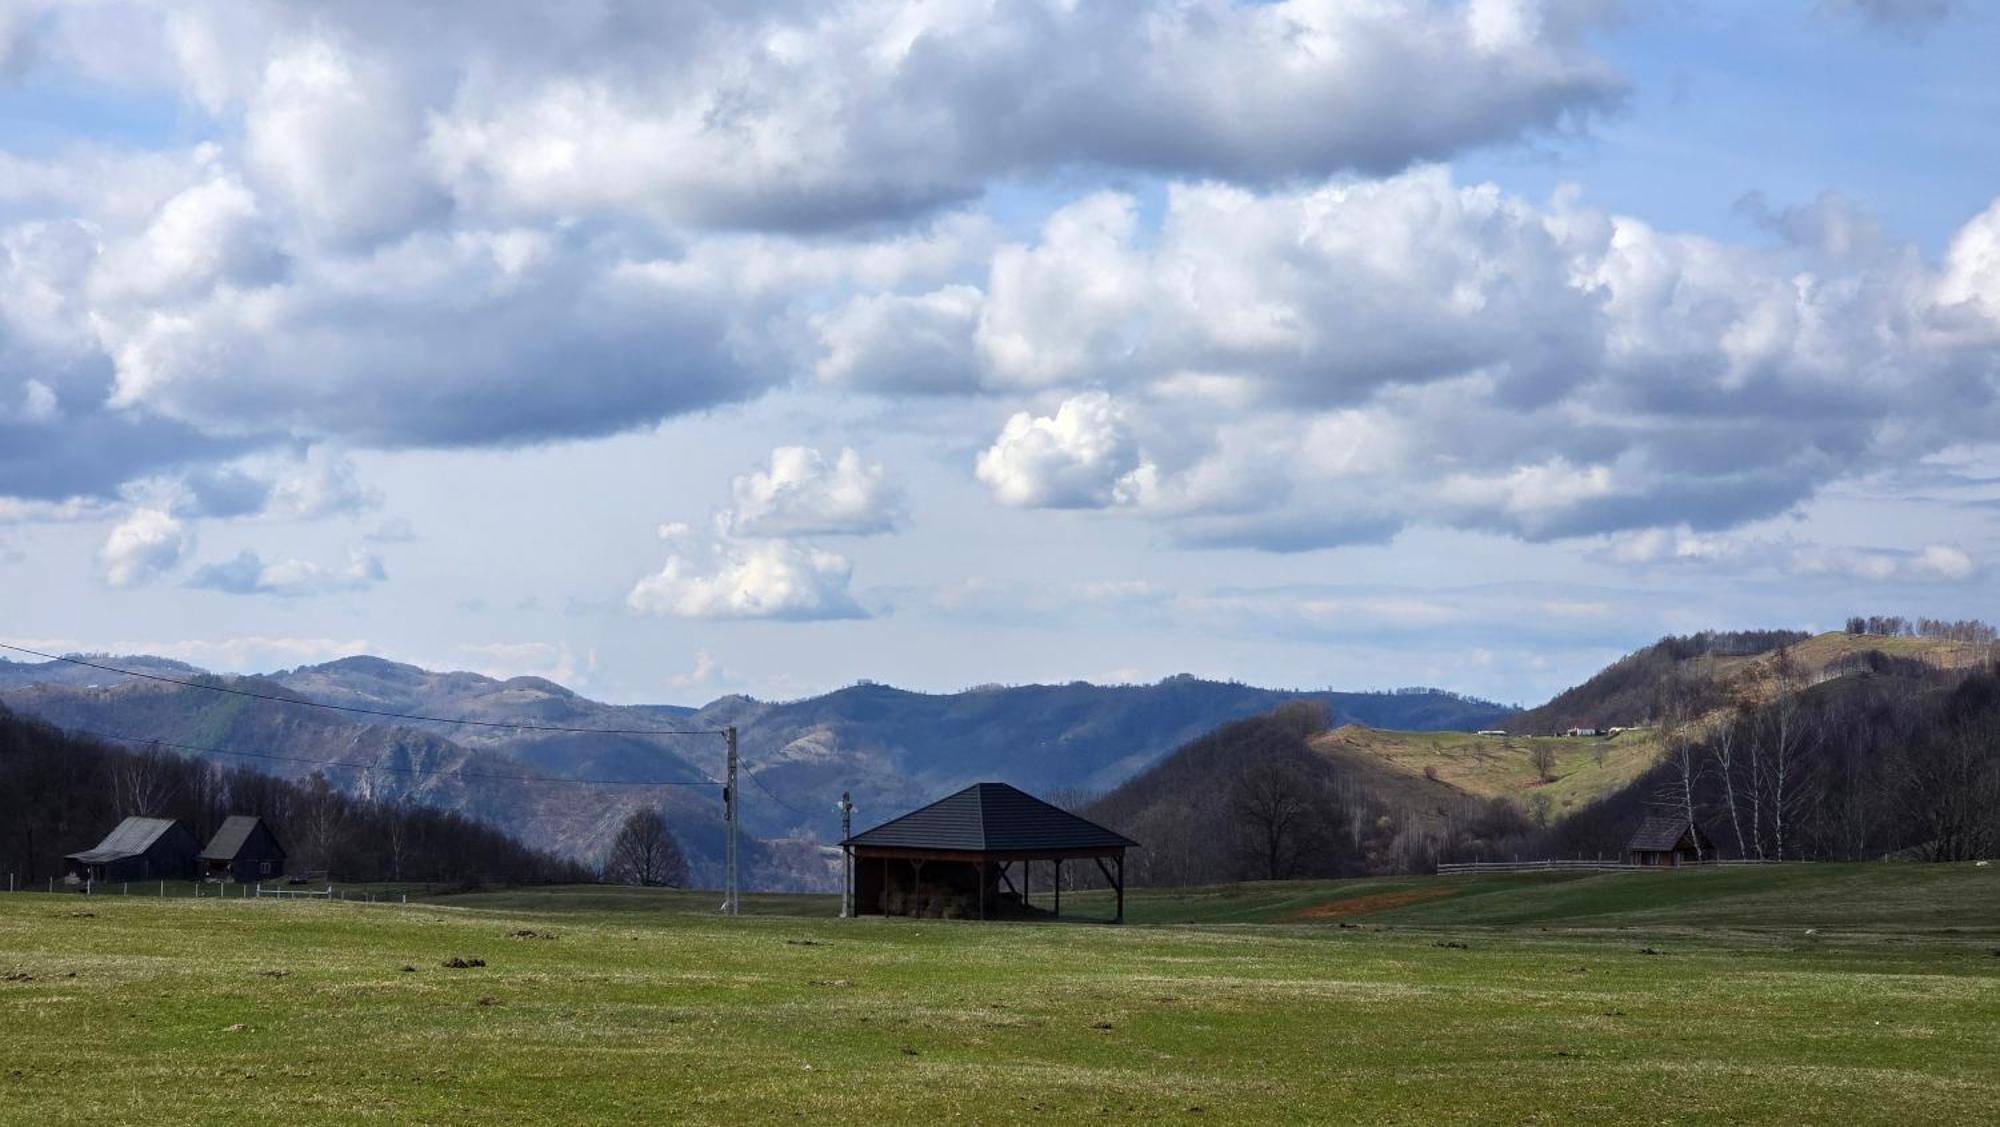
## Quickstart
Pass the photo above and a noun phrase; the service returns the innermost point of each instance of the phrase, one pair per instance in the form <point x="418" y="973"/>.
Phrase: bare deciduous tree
<point x="1269" y="801"/>
<point x="645" y="853"/>
<point x="1678" y="709"/>
<point x="1950" y="789"/>
<point x="1542" y="757"/>
<point x="144" y="782"/>
<point x="1722" y="745"/>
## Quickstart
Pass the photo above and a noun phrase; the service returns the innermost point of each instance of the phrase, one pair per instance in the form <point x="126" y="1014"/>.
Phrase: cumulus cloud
<point x="1083" y="456"/>
<point x="249" y="574"/>
<point x="750" y="579"/>
<point x="1362" y="356"/>
<point x="318" y="483"/>
<point x="802" y="493"/>
<point x="902" y="344"/>
<point x="405" y="229"/>
<point x="144" y="545"/>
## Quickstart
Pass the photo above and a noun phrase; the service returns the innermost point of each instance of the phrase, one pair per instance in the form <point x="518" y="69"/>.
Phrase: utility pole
<point x="729" y="812"/>
<point x="846" y="857"/>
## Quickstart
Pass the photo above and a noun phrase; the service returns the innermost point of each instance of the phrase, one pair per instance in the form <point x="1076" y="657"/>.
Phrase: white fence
<point x="298" y="893"/>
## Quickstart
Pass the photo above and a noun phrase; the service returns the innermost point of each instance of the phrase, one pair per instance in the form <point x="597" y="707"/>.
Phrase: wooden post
<point x="1121" y="888"/>
<point x="982" y="888"/>
<point x="1058" y="888"/>
<point x="1027" y="882"/>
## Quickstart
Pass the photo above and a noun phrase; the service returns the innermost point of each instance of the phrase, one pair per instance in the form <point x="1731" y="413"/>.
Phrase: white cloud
<point x="801" y="493"/>
<point x="553" y="661"/>
<point x="1789" y="556"/>
<point x="1934" y="563"/>
<point x="902" y="344"/>
<point x="1327" y="364"/>
<point x="750" y="579"/>
<point x="1945" y="562"/>
<point x="1083" y="456"/>
<point x="707" y="670"/>
<point x="249" y="574"/>
<point x="404" y="229"/>
<point x="142" y="546"/>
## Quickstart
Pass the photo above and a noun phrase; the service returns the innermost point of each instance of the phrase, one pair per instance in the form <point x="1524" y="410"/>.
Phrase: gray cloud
<point x="248" y="574"/>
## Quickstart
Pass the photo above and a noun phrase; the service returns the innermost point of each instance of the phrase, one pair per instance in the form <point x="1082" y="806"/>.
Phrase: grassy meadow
<point x="1810" y="993"/>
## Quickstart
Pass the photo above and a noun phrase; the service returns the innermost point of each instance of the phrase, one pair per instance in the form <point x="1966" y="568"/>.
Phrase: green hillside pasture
<point x="1461" y="1009"/>
<point x="1499" y="766"/>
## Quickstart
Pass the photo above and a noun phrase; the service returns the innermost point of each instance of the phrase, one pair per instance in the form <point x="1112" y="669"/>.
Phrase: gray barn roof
<point x="132" y="837"/>
<point x="990" y="818"/>
<point x="228" y="841"/>
<point x="1662" y="832"/>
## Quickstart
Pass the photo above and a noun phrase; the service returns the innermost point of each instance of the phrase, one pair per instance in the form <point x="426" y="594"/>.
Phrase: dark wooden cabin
<point x="139" y="849"/>
<point x="1666" y="841"/>
<point x="967" y="855"/>
<point x="243" y="850"/>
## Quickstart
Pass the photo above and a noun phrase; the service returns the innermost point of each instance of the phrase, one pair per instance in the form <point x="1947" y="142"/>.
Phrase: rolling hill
<point x="891" y="748"/>
<point x="1402" y="795"/>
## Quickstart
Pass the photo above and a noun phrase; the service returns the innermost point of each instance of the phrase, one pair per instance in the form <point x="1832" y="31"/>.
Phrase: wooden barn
<point x="139" y="849"/>
<point x="967" y="855"/>
<point x="243" y="850"/>
<point x="1666" y="841"/>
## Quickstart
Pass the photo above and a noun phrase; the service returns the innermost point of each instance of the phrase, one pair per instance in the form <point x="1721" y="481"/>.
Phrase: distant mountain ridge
<point x="891" y="748"/>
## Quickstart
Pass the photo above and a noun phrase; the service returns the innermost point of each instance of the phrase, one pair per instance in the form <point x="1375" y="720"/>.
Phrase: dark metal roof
<point x="132" y="837"/>
<point x="990" y="818"/>
<point x="1662" y="832"/>
<point x="229" y="840"/>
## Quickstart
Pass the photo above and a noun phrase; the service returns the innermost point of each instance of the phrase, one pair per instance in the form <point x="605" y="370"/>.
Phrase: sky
<point x="759" y="346"/>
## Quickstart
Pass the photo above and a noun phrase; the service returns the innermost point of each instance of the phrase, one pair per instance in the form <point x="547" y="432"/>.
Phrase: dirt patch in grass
<point x="1364" y="905"/>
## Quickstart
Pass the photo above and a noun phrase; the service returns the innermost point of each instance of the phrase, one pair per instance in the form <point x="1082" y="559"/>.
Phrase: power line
<point x="275" y="699"/>
<point x="339" y="764"/>
<point x="773" y="797"/>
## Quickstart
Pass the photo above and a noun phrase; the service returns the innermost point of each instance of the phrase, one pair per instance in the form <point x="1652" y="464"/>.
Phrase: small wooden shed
<point x="243" y="850"/>
<point x="958" y="856"/>
<point x="1666" y="841"/>
<point x="139" y="849"/>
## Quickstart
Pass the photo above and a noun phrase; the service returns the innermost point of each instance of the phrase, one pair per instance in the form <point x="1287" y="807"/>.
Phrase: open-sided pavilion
<point x="960" y="855"/>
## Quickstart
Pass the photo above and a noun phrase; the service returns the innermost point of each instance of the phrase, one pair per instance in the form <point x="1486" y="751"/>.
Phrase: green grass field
<point x="1492" y="999"/>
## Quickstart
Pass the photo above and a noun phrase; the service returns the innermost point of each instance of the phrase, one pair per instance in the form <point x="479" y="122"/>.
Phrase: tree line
<point x="1895" y="759"/>
<point x="1896" y="626"/>
<point x="1252" y="801"/>
<point x="1898" y="760"/>
<point x="60" y="794"/>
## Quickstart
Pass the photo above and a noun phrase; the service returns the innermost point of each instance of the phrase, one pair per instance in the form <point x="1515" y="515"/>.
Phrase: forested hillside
<point x="1836" y="747"/>
<point x="60" y="794"/>
<point x="891" y="748"/>
<point x="1899" y="759"/>
<point x="1624" y="693"/>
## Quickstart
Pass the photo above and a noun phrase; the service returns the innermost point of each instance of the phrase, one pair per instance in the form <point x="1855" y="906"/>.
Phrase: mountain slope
<point x="895" y="749"/>
<point x="890" y="748"/>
